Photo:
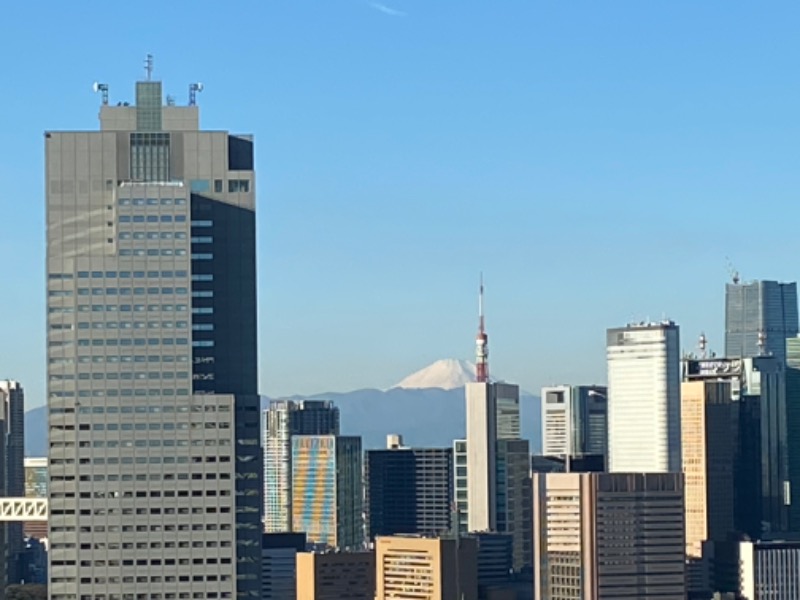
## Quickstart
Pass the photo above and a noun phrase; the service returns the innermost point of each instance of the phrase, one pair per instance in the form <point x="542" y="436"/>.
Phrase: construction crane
<point x="733" y="272"/>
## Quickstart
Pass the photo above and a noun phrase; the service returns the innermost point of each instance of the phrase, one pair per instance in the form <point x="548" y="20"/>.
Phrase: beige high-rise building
<point x="709" y="418"/>
<point x="604" y="536"/>
<point x="336" y="576"/>
<point x="492" y="415"/>
<point x="492" y="481"/>
<point x="426" y="568"/>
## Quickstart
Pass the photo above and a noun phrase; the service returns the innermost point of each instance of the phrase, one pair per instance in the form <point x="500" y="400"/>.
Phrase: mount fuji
<point x="446" y="374"/>
<point x="427" y="408"/>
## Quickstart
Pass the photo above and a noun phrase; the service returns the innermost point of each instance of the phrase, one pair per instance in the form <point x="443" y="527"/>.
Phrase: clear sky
<point x="597" y="160"/>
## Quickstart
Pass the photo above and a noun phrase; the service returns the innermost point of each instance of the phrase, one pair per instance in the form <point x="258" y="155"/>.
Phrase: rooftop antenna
<point x="703" y="344"/>
<point x="193" y="89"/>
<point x="101" y="87"/>
<point x="148" y="66"/>
<point x="733" y="272"/>
<point x="170" y="100"/>
<point x="481" y="343"/>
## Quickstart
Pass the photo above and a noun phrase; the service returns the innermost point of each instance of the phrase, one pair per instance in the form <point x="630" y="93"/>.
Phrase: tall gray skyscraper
<point x="281" y="421"/>
<point x="759" y="316"/>
<point x="155" y="480"/>
<point x="12" y="475"/>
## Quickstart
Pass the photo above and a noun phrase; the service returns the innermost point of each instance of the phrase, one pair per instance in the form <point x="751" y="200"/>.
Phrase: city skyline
<point x="386" y="138"/>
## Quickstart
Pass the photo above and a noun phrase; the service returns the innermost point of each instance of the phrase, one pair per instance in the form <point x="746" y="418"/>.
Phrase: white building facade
<point x="644" y="410"/>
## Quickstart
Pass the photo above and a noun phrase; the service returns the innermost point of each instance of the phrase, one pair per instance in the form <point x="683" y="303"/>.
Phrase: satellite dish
<point x="199" y="87"/>
<point x="96" y="87"/>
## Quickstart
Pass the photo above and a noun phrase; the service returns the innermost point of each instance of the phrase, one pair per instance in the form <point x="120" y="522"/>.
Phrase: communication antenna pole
<point x="193" y="89"/>
<point x="148" y="66"/>
<point x="481" y="343"/>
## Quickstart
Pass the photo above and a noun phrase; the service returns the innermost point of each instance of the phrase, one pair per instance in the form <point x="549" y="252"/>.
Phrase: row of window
<point x="234" y="185"/>
<point x="144" y="579"/>
<point x="152" y="218"/>
<point x="143" y="408"/>
<point x="143" y="561"/>
<point x="126" y="375"/>
<point x="129" y="460"/>
<point x="152" y="201"/>
<point x="134" y="342"/>
<point x="152" y="235"/>
<point x="152" y="252"/>
<point x="145" y="494"/>
<point x="157" y="443"/>
<point x="145" y="477"/>
<point x="136" y="291"/>
<point x="145" y="426"/>
<point x="125" y="393"/>
<point x="167" y="596"/>
<point x="159" y="426"/>
<point x="112" y="291"/>
<point x="126" y="274"/>
<point x="125" y="325"/>
<point x="151" y="358"/>
<point x="121" y="308"/>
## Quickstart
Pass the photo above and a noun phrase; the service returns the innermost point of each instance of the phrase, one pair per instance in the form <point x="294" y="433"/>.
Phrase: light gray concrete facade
<point x="154" y="479"/>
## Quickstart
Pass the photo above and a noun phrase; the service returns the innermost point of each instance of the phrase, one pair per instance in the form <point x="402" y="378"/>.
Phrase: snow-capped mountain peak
<point x="447" y="374"/>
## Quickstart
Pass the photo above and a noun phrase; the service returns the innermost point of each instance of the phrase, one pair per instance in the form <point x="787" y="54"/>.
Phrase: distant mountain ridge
<point x="432" y="417"/>
<point x="427" y="408"/>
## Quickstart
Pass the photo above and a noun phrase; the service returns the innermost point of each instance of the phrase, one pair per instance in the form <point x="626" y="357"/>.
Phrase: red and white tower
<point x="481" y="344"/>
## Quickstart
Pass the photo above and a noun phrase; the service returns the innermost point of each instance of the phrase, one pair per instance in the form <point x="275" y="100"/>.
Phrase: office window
<point x="238" y="185"/>
<point x="149" y="157"/>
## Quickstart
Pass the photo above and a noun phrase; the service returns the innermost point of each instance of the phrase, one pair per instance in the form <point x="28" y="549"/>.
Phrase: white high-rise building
<point x="644" y="402"/>
<point x="574" y="420"/>
<point x="557" y="420"/>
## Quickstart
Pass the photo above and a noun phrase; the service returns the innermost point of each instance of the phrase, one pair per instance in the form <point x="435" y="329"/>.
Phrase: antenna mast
<point x="481" y="343"/>
<point x="148" y="66"/>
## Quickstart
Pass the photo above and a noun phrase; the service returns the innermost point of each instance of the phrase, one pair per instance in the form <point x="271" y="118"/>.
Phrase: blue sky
<point x="598" y="161"/>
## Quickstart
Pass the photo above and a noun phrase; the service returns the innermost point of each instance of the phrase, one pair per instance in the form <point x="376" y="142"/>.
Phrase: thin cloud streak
<point x="388" y="10"/>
